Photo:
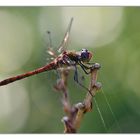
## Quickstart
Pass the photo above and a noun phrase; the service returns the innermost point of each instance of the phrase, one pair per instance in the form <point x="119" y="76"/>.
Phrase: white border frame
<point x="69" y="3"/>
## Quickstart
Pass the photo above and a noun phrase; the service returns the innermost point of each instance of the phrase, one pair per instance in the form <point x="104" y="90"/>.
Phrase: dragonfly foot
<point x="96" y="66"/>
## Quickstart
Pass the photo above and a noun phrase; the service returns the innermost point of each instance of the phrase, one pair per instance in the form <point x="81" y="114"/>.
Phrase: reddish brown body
<point x="67" y="58"/>
<point x="56" y="63"/>
<point x="30" y="73"/>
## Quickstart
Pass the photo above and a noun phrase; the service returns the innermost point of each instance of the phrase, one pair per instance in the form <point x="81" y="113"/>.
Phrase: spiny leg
<point x="77" y="80"/>
<point x="90" y="63"/>
<point x="89" y="67"/>
<point x="84" y="68"/>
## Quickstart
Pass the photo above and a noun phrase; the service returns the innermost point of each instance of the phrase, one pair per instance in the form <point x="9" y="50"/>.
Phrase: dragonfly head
<point x="85" y="55"/>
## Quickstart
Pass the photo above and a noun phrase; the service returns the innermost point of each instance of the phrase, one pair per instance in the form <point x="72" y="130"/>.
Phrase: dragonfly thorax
<point x="85" y="55"/>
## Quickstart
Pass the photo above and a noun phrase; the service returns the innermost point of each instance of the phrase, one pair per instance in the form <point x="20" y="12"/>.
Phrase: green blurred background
<point x="32" y="105"/>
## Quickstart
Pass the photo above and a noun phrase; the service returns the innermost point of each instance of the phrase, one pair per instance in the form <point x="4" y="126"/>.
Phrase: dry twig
<point x="76" y="112"/>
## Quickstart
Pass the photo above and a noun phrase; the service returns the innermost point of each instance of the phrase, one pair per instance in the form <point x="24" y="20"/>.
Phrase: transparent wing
<point x="65" y="40"/>
<point x="50" y="50"/>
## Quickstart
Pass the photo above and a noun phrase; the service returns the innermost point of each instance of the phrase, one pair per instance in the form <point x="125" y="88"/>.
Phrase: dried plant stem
<point x="86" y="106"/>
<point x="76" y="112"/>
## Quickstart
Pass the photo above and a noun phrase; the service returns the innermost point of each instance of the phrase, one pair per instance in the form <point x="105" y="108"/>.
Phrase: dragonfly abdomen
<point x="48" y="67"/>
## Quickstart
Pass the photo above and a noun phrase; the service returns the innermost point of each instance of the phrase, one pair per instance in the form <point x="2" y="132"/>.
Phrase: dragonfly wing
<point x="50" y="50"/>
<point x="64" y="42"/>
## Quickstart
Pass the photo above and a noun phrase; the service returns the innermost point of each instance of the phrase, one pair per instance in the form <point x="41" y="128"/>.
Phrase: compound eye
<point x="84" y="50"/>
<point x="84" y="55"/>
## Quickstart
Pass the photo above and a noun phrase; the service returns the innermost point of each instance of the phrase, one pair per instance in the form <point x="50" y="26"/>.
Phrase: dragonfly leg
<point x="77" y="80"/>
<point x="89" y="63"/>
<point x="85" y="68"/>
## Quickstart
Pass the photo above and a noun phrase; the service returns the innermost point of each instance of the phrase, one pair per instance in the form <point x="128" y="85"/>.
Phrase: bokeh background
<point x="32" y="105"/>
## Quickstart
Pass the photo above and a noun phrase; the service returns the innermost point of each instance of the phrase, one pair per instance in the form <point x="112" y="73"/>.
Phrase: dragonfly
<point x="64" y="59"/>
